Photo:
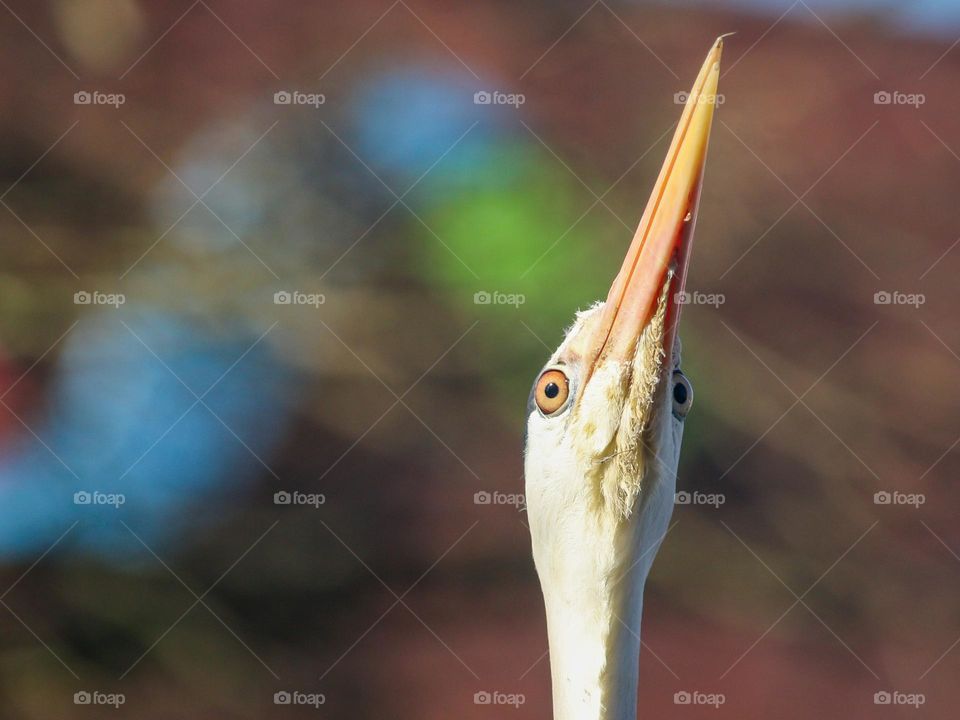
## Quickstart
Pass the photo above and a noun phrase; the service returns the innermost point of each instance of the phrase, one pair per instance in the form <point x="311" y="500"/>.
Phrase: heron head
<point x="604" y="424"/>
<point x="609" y="404"/>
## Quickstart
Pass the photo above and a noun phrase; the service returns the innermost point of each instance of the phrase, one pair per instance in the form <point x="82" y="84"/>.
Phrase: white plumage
<point x="604" y="428"/>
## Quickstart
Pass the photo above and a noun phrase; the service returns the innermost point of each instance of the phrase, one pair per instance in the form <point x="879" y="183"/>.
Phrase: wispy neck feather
<point x="593" y="567"/>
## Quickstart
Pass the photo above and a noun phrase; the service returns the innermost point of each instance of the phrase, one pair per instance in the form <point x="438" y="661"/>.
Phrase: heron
<point x="604" y="425"/>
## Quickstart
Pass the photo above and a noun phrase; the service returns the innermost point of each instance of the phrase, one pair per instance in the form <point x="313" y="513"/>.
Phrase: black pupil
<point x="680" y="393"/>
<point x="551" y="390"/>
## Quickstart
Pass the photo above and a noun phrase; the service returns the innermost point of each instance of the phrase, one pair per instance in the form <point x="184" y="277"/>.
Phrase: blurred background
<point x="276" y="280"/>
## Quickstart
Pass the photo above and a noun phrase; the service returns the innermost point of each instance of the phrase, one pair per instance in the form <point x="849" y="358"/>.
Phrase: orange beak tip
<point x="660" y="247"/>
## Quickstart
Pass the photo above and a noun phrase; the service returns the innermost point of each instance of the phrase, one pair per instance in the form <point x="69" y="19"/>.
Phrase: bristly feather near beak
<point x="615" y="413"/>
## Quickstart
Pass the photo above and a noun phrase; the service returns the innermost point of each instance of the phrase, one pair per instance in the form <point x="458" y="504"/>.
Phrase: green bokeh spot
<point x="515" y="221"/>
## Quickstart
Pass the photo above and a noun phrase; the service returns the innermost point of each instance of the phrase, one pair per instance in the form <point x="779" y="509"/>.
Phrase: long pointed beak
<point x="663" y="239"/>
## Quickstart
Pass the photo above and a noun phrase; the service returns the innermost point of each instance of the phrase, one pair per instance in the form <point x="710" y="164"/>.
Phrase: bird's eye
<point x="553" y="390"/>
<point x="682" y="395"/>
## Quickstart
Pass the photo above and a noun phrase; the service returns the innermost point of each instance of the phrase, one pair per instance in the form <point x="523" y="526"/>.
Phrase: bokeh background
<point x="149" y="366"/>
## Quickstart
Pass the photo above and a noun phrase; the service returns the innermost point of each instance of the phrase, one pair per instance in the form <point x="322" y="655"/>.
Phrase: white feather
<point x="595" y="530"/>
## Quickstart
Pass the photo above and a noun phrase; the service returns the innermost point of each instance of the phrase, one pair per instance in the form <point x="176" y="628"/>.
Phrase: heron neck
<point x="594" y="653"/>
